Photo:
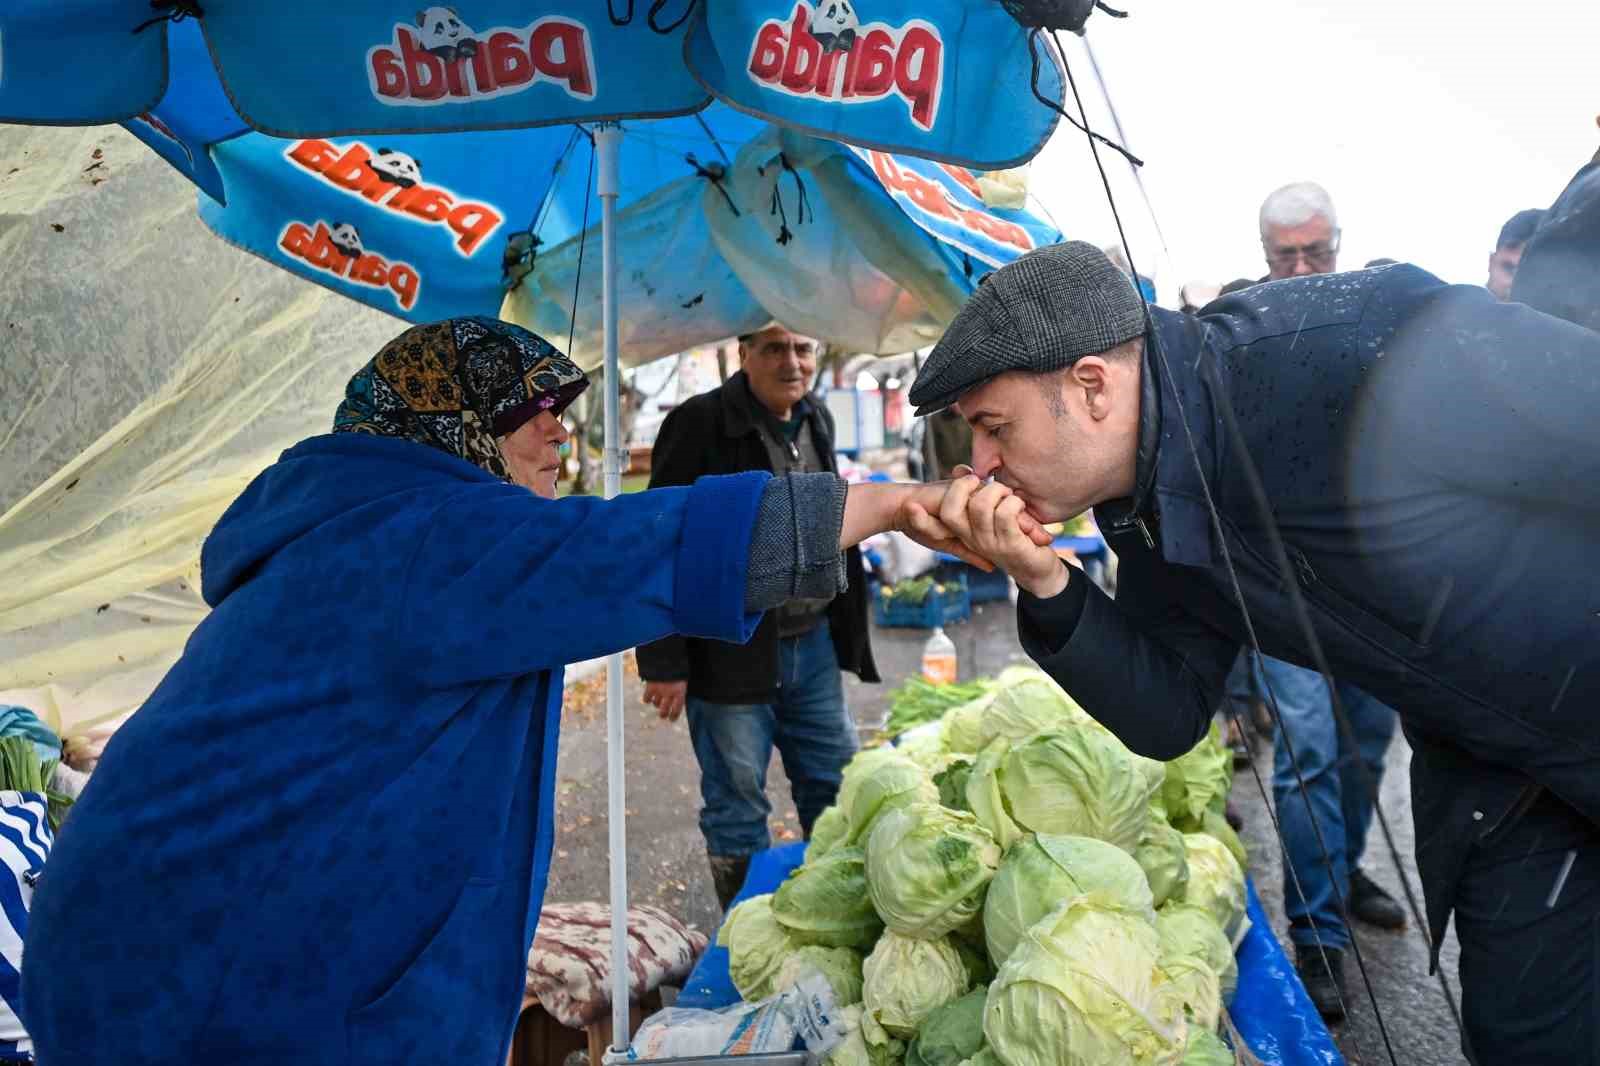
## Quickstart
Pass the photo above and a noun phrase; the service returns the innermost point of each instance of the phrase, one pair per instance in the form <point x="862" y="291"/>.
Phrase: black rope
<point x="1051" y="14"/>
<point x="179" y="10"/>
<point x="1113" y="12"/>
<point x="785" y="235"/>
<point x="1033" y="80"/>
<point x="522" y="248"/>
<point x="583" y="239"/>
<point x="715" y="140"/>
<point x="655" y="9"/>
<point x="714" y="173"/>
<point x="1216" y="521"/>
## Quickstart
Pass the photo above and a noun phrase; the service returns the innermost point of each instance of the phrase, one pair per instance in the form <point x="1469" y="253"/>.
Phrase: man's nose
<point x="985" y="459"/>
<point x="1302" y="267"/>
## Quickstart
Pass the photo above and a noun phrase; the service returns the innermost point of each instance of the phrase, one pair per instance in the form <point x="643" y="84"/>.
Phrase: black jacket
<point x="717" y="432"/>
<point x="1432" y="458"/>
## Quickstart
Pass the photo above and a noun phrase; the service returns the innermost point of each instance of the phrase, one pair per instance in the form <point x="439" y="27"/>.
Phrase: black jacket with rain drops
<point x="1432" y="461"/>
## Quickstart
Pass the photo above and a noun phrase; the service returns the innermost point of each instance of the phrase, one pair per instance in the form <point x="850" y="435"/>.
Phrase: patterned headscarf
<point x="457" y="385"/>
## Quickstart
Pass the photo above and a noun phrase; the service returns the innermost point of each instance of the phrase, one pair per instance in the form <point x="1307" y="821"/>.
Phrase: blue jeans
<point x="1335" y="789"/>
<point x="811" y="727"/>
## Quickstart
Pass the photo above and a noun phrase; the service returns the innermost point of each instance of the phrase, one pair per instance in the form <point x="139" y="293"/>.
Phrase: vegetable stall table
<point x="1270" y="1009"/>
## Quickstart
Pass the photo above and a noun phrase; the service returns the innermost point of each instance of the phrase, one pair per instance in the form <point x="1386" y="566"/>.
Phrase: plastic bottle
<point x="939" y="658"/>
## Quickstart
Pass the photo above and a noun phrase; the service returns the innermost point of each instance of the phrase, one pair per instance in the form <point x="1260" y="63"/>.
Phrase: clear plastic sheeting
<point x="150" y="371"/>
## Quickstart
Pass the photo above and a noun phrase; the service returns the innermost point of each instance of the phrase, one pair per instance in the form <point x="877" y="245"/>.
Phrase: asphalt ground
<point x="667" y="865"/>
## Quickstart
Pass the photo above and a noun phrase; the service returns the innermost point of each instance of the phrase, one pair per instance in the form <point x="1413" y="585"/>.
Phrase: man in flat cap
<point x="1429" y="477"/>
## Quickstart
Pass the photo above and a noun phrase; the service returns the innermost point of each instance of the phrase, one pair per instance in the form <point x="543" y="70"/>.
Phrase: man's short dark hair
<point x="1518" y="228"/>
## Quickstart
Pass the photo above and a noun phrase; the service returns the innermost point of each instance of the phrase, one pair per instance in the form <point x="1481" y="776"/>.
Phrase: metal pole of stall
<point x="608" y="142"/>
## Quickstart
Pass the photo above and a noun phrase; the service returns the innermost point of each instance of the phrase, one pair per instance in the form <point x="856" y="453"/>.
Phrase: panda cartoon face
<point x="344" y="237"/>
<point x="835" y="25"/>
<point x="444" y="34"/>
<point x="396" y="168"/>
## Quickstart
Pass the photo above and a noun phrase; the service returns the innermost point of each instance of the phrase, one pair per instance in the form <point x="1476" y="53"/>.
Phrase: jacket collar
<point x="742" y="413"/>
<point x="1168" y="504"/>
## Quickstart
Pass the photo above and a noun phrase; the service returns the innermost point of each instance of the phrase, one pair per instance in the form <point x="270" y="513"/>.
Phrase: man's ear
<point x="1091" y="378"/>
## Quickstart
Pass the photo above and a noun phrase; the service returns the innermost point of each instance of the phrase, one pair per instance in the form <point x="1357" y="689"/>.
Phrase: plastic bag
<point x="807" y="1014"/>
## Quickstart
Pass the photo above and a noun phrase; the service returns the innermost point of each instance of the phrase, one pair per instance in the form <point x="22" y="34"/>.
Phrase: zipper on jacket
<point x="1144" y="531"/>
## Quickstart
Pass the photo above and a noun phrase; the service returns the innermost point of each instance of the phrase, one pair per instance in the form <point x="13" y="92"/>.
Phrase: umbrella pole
<point x="608" y="141"/>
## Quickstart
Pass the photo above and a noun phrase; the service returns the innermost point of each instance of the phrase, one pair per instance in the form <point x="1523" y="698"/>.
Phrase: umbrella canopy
<point x="953" y="80"/>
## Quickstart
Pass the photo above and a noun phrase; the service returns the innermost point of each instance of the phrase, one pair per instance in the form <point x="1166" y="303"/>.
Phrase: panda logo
<point x="344" y="237"/>
<point x="396" y="168"/>
<point x="835" y="26"/>
<point x="444" y="34"/>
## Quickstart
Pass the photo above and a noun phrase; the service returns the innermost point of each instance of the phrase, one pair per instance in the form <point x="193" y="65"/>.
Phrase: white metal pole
<point x="608" y="142"/>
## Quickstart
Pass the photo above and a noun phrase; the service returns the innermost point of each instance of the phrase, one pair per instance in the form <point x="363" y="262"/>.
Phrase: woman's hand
<point x="993" y="522"/>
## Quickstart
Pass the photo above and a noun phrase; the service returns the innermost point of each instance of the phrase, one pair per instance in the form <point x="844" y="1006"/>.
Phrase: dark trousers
<point x="1530" y="942"/>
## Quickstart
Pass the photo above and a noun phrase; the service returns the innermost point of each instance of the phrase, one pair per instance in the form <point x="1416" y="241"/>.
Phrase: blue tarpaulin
<point x="1270" y="1009"/>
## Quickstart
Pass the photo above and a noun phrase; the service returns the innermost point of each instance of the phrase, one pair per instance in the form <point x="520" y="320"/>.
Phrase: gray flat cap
<point x="1039" y="313"/>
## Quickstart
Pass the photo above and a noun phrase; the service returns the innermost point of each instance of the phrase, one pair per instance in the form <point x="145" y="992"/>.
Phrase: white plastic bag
<point x="743" y="1029"/>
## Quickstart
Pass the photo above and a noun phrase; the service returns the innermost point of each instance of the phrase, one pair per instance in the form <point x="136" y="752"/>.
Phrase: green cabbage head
<point x="928" y="868"/>
<point x="858" y="769"/>
<point x="963" y="726"/>
<point x="1162" y="857"/>
<point x="757" y="946"/>
<point x="1077" y="782"/>
<point x="1084" y="989"/>
<point x="1025" y="702"/>
<point x="1197" y="985"/>
<point x="856" y="1050"/>
<point x="841" y="967"/>
<point x="907" y="979"/>
<point x="827" y="832"/>
<point x="985" y="800"/>
<point x="1198" y="778"/>
<point x="892" y="784"/>
<point x="826" y="902"/>
<point x="1216" y="882"/>
<point x="952" y="1034"/>
<point x="1044" y="871"/>
<point x="1187" y="929"/>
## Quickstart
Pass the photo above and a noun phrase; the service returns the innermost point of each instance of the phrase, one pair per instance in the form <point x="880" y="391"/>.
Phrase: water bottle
<point x="939" y="658"/>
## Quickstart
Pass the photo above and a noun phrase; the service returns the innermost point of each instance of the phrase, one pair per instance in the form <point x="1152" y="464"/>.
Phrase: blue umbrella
<point x="313" y="132"/>
<point x="956" y="80"/>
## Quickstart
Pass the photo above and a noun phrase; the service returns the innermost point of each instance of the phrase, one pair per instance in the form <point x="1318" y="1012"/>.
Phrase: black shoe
<point x="1373" y="905"/>
<point x="727" y="876"/>
<point x="1324" y="980"/>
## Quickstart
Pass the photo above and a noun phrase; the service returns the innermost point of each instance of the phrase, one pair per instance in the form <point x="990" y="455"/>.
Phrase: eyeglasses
<point x="1320" y="255"/>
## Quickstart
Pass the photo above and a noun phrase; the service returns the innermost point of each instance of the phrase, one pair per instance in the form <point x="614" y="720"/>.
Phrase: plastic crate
<point x="938" y="609"/>
<point x="992" y="587"/>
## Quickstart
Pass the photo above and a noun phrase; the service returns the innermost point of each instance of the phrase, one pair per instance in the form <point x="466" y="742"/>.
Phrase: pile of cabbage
<point x="1011" y="886"/>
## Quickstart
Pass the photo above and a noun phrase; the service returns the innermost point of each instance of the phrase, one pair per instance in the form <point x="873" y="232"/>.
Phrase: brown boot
<point x="727" y="876"/>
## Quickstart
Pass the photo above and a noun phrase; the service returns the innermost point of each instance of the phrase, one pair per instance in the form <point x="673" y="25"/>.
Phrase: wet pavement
<point x="667" y="867"/>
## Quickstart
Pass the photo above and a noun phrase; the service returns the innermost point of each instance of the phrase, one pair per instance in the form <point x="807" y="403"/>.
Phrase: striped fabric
<point x="25" y="841"/>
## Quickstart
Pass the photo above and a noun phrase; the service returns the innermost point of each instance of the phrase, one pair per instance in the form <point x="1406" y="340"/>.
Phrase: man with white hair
<point x="1299" y="231"/>
<point x="1300" y="236"/>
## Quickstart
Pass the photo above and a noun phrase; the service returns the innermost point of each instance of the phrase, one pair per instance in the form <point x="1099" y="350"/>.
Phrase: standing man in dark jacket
<point x="783" y="687"/>
<point x="1431" y="460"/>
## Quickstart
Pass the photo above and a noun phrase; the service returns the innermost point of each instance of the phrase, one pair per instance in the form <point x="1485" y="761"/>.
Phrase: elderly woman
<point x="324" y="838"/>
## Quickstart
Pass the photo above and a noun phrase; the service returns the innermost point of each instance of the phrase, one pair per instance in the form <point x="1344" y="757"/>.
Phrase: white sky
<point x="1430" y="123"/>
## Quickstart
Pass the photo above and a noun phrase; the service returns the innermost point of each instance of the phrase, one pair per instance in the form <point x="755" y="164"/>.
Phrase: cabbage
<point x="855" y="1050"/>
<point x="857" y="770"/>
<point x="827" y="832"/>
<point x="1083" y="988"/>
<point x="1197" y="986"/>
<point x="1198" y="778"/>
<point x="757" y="946"/>
<point x="985" y="1057"/>
<point x="951" y="781"/>
<point x="826" y="902"/>
<point x="923" y="745"/>
<point x="1216" y="882"/>
<point x="963" y="726"/>
<point x="985" y="801"/>
<point x="927" y="869"/>
<point x="908" y="979"/>
<point x="1043" y="872"/>
<point x="1025" y="702"/>
<point x="952" y="1034"/>
<point x="979" y="970"/>
<point x="891" y="784"/>
<point x="1207" y="1049"/>
<point x="841" y="967"/>
<point x="1215" y="823"/>
<point x="1077" y="782"/>
<point x="1161" y="856"/>
<point x="1187" y="929"/>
